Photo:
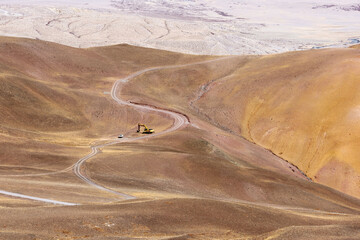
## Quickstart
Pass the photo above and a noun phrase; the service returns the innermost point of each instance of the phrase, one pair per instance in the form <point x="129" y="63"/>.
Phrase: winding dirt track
<point x="180" y="120"/>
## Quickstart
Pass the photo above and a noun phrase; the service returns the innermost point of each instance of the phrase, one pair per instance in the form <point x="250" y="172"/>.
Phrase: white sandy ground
<point x="191" y="26"/>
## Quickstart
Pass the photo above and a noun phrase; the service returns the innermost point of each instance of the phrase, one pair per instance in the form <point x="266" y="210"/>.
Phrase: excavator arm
<point x="146" y="129"/>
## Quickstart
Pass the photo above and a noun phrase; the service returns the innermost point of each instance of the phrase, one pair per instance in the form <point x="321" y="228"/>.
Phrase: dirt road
<point x="180" y="120"/>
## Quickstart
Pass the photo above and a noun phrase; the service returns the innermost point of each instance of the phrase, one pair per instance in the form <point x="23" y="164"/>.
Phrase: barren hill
<point x="65" y="175"/>
<point x="303" y="106"/>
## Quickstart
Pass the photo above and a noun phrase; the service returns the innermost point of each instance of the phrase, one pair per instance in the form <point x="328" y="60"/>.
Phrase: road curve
<point x="180" y="120"/>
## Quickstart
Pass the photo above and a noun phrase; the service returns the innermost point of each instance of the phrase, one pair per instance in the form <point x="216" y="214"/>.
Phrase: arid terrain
<point x="245" y="147"/>
<point x="216" y="27"/>
<point x="303" y="106"/>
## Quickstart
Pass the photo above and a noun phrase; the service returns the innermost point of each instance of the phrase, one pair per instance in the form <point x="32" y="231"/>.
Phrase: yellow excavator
<point x="146" y="129"/>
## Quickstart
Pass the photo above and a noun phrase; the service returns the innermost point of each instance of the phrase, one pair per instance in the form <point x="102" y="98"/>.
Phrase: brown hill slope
<point x="302" y="105"/>
<point x="200" y="182"/>
<point x="47" y="86"/>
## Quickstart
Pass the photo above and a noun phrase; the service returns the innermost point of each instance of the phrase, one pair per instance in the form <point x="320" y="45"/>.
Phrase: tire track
<point x="18" y="195"/>
<point x="180" y="120"/>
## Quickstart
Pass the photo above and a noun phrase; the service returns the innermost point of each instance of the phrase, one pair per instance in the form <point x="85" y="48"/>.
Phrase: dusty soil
<point x="302" y="106"/>
<point x="204" y="181"/>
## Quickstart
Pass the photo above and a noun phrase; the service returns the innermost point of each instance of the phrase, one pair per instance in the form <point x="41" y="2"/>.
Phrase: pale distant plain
<point x="198" y="27"/>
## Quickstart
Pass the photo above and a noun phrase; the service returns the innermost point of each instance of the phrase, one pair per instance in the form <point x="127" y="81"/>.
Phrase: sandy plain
<point x="198" y="27"/>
